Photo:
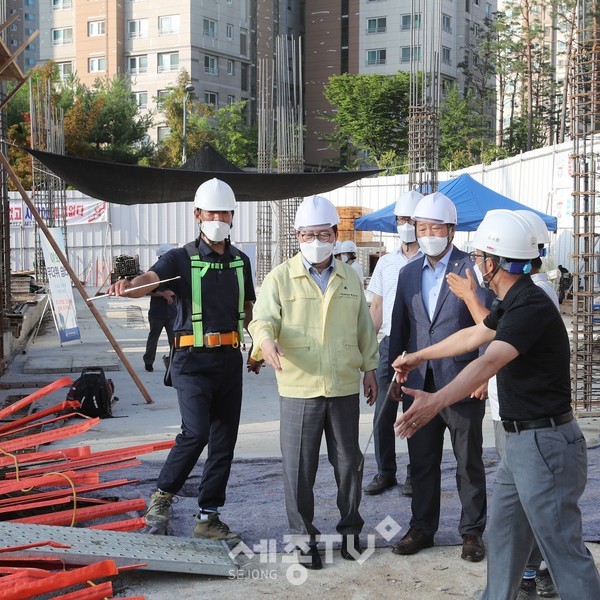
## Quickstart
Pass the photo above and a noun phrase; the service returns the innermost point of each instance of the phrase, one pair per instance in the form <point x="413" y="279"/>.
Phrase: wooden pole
<point x="74" y="278"/>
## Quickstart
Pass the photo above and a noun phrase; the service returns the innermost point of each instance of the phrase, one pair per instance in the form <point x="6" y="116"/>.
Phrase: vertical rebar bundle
<point x="585" y="111"/>
<point x="290" y="142"/>
<point x="280" y="120"/>
<point x="49" y="191"/>
<point x="424" y="94"/>
<point x="266" y="127"/>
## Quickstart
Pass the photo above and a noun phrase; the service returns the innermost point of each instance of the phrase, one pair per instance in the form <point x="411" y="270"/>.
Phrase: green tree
<point x="234" y="139"/>
<point x="371" y="115"/>
<point x="225" y="128"/>
<point x="463" y="137"/>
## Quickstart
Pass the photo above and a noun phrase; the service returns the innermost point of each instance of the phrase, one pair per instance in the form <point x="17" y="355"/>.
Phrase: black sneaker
<point x="379" y="484"/>
<point x="526" y="590"/>
<point x="149" y="368"/>
<point x="544" y="585"/>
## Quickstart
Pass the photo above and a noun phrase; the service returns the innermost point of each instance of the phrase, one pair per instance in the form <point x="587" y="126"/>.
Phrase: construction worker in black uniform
<point x="216" y="295"/>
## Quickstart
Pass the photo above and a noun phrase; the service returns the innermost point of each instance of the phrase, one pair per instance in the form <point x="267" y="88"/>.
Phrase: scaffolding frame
<point x="585" y="115"/>
<point x="49" y="191"/>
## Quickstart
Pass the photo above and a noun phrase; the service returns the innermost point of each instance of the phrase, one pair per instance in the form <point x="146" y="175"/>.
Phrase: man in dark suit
<point x="425" y="312"/>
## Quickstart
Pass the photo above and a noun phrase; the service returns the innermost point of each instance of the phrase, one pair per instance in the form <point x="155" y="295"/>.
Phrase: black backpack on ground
<point x="94" y="392"/>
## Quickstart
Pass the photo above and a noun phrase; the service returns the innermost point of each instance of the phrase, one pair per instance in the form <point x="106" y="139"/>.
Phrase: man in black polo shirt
<point x="544" y="471"/>
<point x="216" y="294"/>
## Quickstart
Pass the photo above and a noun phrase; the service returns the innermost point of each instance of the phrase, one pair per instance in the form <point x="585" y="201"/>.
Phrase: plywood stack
<point x="346" y="229"/>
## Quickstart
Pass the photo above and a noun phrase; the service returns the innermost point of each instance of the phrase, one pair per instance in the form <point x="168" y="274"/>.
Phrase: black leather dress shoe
<point x="353" y="542"/>
<point x="412" y="542"/>
<point x="379" y="484"/>
<point x="311" y="559"/>
<point x="473" y="548"/>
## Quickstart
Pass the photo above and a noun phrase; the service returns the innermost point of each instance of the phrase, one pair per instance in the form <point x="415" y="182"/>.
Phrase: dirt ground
<point x="433" y="574"/>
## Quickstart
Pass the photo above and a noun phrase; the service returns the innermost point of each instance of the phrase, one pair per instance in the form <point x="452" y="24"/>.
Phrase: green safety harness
<point x="199" y="269"/>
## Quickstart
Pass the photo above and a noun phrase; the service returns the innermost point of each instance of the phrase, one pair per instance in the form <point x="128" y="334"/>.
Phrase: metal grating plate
<point x="161" y="553"/>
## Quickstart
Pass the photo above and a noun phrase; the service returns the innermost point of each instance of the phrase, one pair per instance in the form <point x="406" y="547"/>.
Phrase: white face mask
<point x="215" y="231"/>
<point x="345" y="258"/>
<point x="479" y="275"/>
<point x="316" y="252"/>
<point x="406" y="231"/>
<point x="432" y="246"/>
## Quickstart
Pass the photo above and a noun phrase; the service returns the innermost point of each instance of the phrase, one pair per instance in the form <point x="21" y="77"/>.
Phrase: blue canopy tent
<point x="472" y="200"/>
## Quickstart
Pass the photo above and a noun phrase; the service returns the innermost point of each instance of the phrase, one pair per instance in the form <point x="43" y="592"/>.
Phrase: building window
<point x="468" y="6"/>
<point x="28" y="47"/>
<point x="229" y="31"/>
<point x="141" y="99"/>
<point x="476" y="29"/>
<point x="378" y="25"/>
<point x="406" y="55"/>
<point x="137" y="28"/>
<point x="97" y="65"/>
<point x="29" y="16"/>
<point x="376" y="57"/>
<point x="244" y="77"/>
<point x="168" y="61"/>
<point x="447" y="23"/>
<point x="209" y="28"/>
<point x="169" y="24"/>
<point x="446" y="55"/>
<point x="62" y="36"/>
<point x="243" y="42"/>
<point x="230" y="67"/>
<point x="14" y="42"/>
<point x="137" y="65"/>
<point x="61" y="4"/>
<point x="488" y="10"/>
<point x="162" y="133"/>
<point x="211" y="65"/>
<point x="64" y="69"/>
<point x="14" y="27"/>
<point x="407" y="20"/>
<point x="230" y="100"/>
<point x="96" y="28"/>
<point x="211" y="98"/>
<point x="161" y="96"/>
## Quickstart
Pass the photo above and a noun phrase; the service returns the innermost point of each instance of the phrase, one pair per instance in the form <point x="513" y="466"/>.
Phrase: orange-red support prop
<point x="128" y="525"/>
<point x="19" y="404"/>
<point x="46" y="455"/>
<point x="47" y="436"/>
<point x="21" y="591"/>
<point x="6" y="487"/>
<point x="57" y="408"/>
<point x="83" y="489"/>
<point x="84" y="514"/>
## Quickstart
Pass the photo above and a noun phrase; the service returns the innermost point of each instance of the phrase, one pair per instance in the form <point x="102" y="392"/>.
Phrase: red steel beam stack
<point x="71" y="474"/>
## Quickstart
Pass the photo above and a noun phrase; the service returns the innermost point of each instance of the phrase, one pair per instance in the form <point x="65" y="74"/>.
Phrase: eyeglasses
<point x="404" y="220"/>
<point x="322" y="236"/>
<point x="474" y="257"/>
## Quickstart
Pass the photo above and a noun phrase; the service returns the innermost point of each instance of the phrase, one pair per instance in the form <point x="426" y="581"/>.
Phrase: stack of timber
<point x="346" y="229"/>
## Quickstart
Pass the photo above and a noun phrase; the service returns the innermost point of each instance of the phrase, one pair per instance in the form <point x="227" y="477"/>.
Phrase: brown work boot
<point x="213" y="528"/>
<point x="157" y="515"/>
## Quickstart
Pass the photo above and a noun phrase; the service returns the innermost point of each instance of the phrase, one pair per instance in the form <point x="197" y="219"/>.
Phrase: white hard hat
<point x="507" y="234"/>
<point x="435" y="208"/>
<point x="316" y="210"/>
<point x="337" y="248"/>
<point x="163" y="249"/>
<point x="541" y="231"/>
<point x="406" y="204"/>
<point x="214" y="194"/>
<point x="349" y="246"/>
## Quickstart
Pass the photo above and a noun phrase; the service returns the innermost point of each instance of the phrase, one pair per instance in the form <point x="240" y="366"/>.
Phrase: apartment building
<point x="216" y="41"/>
<point x="374" y="36"/>
<point x="21" y="29"/>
